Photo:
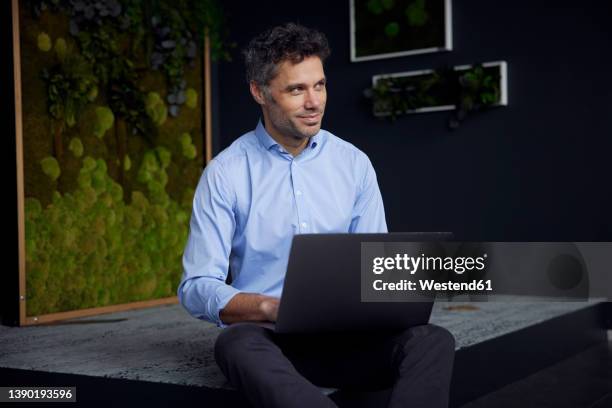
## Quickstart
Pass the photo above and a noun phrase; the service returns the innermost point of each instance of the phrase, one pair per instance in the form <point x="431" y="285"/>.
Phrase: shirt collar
<point x="267" y="141"/>
<point x="264" y="137"/>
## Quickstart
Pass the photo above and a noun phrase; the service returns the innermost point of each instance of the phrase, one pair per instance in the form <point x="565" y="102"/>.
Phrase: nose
<point x="313" y="99"/>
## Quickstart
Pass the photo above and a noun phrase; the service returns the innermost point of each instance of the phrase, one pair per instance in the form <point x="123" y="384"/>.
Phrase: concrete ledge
<point x="497" y="343"/>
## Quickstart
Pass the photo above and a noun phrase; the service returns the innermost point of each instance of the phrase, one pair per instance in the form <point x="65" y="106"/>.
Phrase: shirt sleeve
<point x="368" y="212"/>
<point x="203" y="291"/>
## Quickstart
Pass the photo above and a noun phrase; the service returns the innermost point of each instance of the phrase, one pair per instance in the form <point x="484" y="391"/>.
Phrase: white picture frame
<point x="503" y="86"/>
<point x="447" y="44"/>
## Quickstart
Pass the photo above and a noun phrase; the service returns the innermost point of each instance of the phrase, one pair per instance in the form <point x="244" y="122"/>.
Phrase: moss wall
<point x="108" y="191"/>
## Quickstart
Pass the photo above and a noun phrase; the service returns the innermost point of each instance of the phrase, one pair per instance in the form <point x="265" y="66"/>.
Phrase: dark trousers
<point x="276" y="370"/>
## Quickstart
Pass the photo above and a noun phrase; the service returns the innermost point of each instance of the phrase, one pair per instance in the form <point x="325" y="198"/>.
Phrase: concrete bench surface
<point x="164" y="344"/>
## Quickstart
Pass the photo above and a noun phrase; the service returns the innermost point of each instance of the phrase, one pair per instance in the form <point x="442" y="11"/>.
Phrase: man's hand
<point x="250" y="307"/>
<point x="269" y="307"/>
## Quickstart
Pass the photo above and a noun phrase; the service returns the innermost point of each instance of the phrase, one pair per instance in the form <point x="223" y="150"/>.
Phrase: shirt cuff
<point x="223" y="294"/>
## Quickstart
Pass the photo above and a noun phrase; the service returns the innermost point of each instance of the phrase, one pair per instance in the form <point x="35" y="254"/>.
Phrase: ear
<point x="257" y="93"/>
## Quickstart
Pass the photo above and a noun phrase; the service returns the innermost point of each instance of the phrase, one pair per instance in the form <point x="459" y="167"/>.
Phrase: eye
<point x="320" y="86"/>
<point x="296" y="90"/>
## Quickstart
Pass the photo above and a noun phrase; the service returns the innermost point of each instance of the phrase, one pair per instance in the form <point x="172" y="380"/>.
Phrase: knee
<point x="433" y="337"/>
<point x="236" y="339"/>
<point x="441" y="338"/>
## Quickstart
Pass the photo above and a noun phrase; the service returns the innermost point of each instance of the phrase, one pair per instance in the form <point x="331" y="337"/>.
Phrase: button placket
<point x="302" y="212"/>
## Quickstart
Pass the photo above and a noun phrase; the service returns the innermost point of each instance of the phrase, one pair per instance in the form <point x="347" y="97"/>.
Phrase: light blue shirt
<point x="251" y="200"/>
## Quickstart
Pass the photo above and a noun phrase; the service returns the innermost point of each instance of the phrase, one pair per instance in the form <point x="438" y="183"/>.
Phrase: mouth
<point x="310" y="119"/>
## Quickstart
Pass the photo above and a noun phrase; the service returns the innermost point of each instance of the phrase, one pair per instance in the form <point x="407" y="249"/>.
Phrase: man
<point x="287" y="177"/>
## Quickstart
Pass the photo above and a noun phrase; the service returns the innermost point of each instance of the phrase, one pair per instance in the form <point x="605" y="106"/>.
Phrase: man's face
<point x="294" y="102"/>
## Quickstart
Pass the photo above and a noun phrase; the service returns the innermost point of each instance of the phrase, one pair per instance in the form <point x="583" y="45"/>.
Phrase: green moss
<point x="89" y="163"/>
<point x="181" y="217"/>
<point x="188" y="149"/>
<point x="95" y="234"/>
<point x="164" y="156"/>
<point x="33" y="208"/>
<point x="84" y="179"/>
<point x="92" y="94"/>
<point x="104" y="120"/>
<point x="190" y="152"/>
<point x="86" y="198"/>
<point x="191" y="96"/>
<point x="98" y="181"/>
<point x="101" y="165"/>
<point x="156" y="109"/>
<point x="116" y="192"/>
<point x="50" y="167"/>
<point x="76" y="147"/>
<point x="127" y="163"/>
<point x="187" y="198"/>
<point x="139" y="201"/>
<point x="392" y="29"/>
<point x="416" y="14"/>
<point x="44" y="42"/>
<point x="185" y="139"/>
<point x="61" y="48"/>
<point x="57" y="198"/>
<point x="149" y="162"/>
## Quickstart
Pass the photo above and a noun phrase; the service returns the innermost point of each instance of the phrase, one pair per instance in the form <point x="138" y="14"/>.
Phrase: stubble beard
<point x="286" y="126"/>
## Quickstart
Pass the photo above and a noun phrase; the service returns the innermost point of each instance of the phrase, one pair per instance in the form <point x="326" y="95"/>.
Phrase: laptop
<point x="322" y="288"/>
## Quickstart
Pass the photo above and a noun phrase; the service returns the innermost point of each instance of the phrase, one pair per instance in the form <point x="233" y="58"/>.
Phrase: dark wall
<point x="538" y="169"/>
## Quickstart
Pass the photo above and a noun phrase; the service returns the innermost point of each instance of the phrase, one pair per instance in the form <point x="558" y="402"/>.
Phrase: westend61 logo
<point x="412" y="264"/>
<point x="411" y="271"/>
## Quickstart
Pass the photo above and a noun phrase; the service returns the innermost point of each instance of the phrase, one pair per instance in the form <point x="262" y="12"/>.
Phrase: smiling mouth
<point x="311" y="119"/>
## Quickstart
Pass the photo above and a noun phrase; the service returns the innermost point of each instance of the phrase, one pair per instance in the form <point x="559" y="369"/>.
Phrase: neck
<point x="294" y="145"/>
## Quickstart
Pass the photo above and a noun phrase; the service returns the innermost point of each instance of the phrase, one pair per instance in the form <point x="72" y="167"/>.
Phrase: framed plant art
<point x="464" y="89"/>
<point x="112" y="113"/>
<point x="396" y="28"/>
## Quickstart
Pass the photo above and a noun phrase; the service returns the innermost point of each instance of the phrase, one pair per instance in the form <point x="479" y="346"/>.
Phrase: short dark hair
<point x="289" y="41"/>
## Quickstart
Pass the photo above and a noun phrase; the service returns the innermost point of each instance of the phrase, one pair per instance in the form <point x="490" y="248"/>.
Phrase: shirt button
<point x="304" y="225"/>
<point x="298" y="193"/>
